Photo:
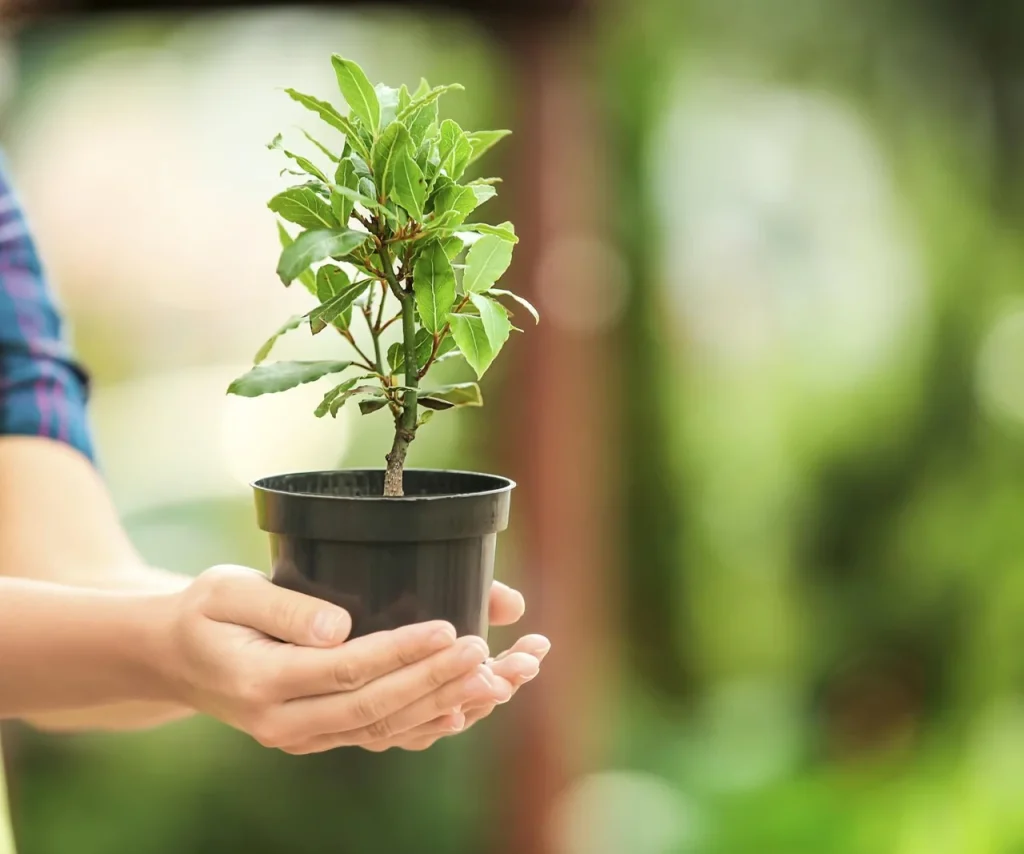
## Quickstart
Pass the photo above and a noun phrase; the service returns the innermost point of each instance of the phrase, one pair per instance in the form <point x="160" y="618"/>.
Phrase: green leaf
<point x="358" y="91"/>
<point x="344" y="294"/>
<point x="281" y="376"/>
<point x="329" y="114"/>
<point x="483" y="192"/>
<point x="469" y="333"/>
<point x="306" y="278"/>
<point x="505" y="231"/>
<point x="404" y="98"/>
<point x="340" y="389"/>
<point x="422" y="89"/>
<point x="452" y="247"/>
<point x="342" y="399"/>
<point x="423" y="99"/>
<point x="316" y="245"/>
<point x="521" y="300"/>
<point x="388" y="100"/>
<point x="482" y="141"/>
<point x="450" y="396"/>
<point x="344" y="176"/>
<point x="305" y="207"/>
<point x="387" y="151"/>
<point x="408" y="187"/>
<point x="331" y="280"/>
<point x="421" y="122"/>
<point x="268" y="345"/>
<point x="356" y="196"/>
<point x="323" y="148"/>
<point x="495" y="319"/>
<point x="486" y="262"/>
<point x="449" y="196"/>
<point x="453" y="149"/>
<point x="304" y="164"/>
<point x="434" y="286"/>
<point x="371" y="405"/>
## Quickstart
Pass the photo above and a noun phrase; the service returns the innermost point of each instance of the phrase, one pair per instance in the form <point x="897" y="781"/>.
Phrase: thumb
<point x="248" y="598"/>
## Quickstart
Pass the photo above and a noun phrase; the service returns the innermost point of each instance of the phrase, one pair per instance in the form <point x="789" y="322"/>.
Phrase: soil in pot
<point x="389" y="562"/>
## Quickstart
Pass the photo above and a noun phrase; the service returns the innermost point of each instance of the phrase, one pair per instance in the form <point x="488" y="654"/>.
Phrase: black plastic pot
<point x="389" y="562"/>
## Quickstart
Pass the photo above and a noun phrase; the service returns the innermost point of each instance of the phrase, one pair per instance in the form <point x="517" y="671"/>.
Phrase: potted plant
<point x="384" y="242"/>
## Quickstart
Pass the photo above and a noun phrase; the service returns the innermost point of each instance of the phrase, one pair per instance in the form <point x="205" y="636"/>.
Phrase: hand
<point x="273" y="663"/>
<point x="509" y="671"/>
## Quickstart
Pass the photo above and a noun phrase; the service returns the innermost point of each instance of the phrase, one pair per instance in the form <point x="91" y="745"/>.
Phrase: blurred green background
<point x="818" y="320"/>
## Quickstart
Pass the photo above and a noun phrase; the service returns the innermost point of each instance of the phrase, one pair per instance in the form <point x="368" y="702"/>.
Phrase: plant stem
<point x="405" y="425"/>
<point x="351" y="340"/>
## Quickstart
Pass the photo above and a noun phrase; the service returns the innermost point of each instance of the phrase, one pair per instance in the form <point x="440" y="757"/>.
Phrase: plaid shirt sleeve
<point x="43" y="391"/>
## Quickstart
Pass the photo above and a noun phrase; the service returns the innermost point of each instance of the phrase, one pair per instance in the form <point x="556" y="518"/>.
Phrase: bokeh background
<point x="769" y="434"/>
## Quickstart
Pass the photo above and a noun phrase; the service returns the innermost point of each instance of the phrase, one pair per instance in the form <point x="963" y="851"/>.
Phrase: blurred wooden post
<point x="557" y="416"/>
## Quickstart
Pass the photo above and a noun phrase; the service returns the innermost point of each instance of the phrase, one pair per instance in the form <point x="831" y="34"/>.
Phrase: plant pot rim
<point x="501" y="484"/>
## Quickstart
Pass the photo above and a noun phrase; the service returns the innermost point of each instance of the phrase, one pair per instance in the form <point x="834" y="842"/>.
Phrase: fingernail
<point x="543" y="648"/>
<point x="329" y="625"/>
<point x="458" y="722"/>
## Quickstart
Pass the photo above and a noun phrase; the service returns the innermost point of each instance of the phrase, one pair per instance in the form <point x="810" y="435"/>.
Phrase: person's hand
<point x="509" y="671"/>
<point x="275" y="664"/>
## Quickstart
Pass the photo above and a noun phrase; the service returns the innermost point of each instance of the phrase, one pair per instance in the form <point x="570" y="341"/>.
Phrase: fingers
<point x="506" y="605"/>
<point x="380" y="709"/>
<point x="340" y="671"/>
<point x="516" y="666"/>
<point x="479" y="686"/>
<point x="247" y="598"/>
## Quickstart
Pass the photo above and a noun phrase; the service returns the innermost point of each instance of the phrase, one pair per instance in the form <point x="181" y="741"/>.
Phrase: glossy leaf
<point x="388" y="100"/>
<point x="482" y="141"/>
<point x="451" y="396"/>
<point x="469" y="333"/>
<point x="387" y="151"/>
<point x="423" y="99"/>
<point x="337" y="304"/>
<point x="454" y="150"/>
<point x="305" y="207"/>
<point x="329" y="114"/>
<point x="495" y="319"/>
<point x="306" y="277"/>
<point x="434" y="286"/>
<point x="505" y="231"/>
<point x="404" y="98"/>
<point x="452" y="197"/>
<point x="358" y="91"/>
<point x="303" y="163"/>
<point x="452" y="247"/>
<point x="521" y="300"/>
<point x="281" y="376"/>
<point x="408" y="187"/>
<point x="483" y="192"/>
<point x="323" y="148"/>
<point x="268" y="345"/>
<point x="316" y="245"/>
<point x="372" y="405"/>
<point x="341" y="203"/>
<point x="486" y="262"/>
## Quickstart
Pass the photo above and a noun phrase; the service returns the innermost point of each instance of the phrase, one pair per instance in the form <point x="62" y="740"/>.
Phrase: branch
<point x="366" y="359"/>
<point x="389" y="270"/>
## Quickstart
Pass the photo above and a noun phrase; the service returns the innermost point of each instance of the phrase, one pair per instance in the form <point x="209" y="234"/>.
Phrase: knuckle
<point x="380" y="730"/>
<point x="346" y="674"/>
<point x="369" y="712"/>
<point x="285" y="612"/>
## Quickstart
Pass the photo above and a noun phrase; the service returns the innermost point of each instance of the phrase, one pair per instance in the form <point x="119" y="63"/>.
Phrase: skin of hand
<point x="275" y="664"/>
<point x="228" y="642"/>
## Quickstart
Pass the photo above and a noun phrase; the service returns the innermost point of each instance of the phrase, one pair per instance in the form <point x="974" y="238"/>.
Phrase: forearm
<point x="66" y="649"/>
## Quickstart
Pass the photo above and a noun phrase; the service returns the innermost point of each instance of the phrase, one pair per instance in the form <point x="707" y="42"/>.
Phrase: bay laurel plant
<point x="384" y="242"/>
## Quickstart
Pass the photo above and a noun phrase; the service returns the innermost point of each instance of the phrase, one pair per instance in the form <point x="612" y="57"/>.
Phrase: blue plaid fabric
<point x="43" y="391"/>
